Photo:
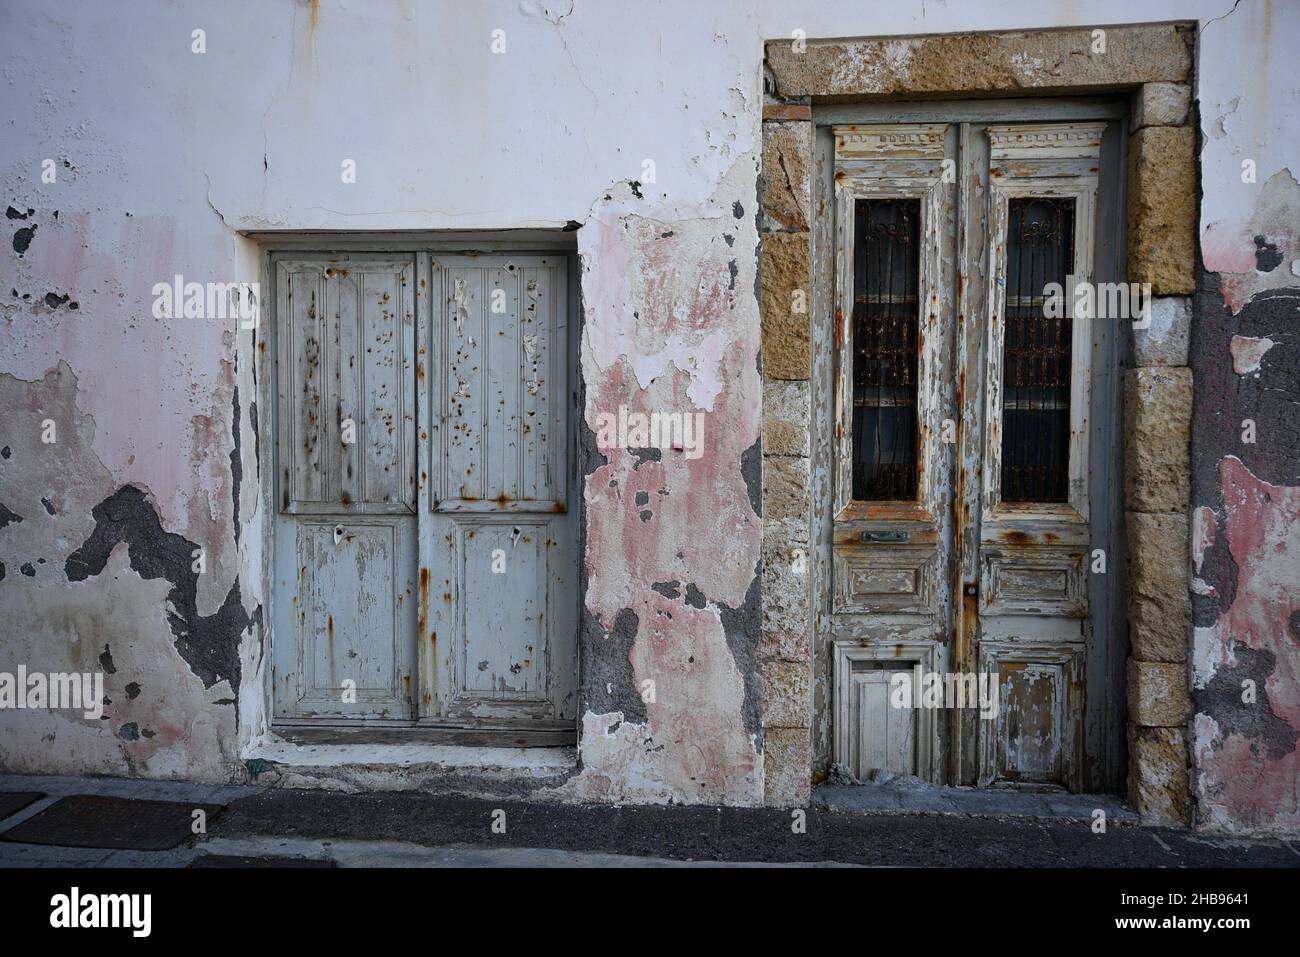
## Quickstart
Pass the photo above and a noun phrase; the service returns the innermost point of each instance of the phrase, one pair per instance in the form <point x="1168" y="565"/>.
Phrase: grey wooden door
<point x="425" y="547"/>
<point x="974" y="474"/>
<point x="499" y="533"/>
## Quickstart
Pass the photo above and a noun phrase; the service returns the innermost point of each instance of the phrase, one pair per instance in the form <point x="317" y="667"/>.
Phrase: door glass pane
<point x="885" y="304"/>
<point x="1036" y="366"/>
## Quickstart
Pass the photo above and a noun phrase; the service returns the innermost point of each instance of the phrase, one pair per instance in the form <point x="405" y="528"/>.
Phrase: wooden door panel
<point x="1036" y="737"/>
<point x="500" y="540"/>
<point x="500" y="417"/>
<point x="886" y="735"/>
<point x="346" y="390"/>
<point x="886" y="579"/>
<point x="350" y="653"/>
<point x="1041" y="581"/>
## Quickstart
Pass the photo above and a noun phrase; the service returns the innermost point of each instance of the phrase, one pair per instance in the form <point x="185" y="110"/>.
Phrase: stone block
<point x="1157" y="424"/>
<point x="787" y="767"/>
<point x="1158" y="780"/>
<point x="786" y="305"/>
<point x="1157" y="694"/>
<point x="1162" y="209"/>
<point x="787" y="422"/>
<point x="786" y="702"/>
<point x="1164" y="340"/>
<point x="1161" y="104"/>
<point x="1159" y="606"/>
<point x="787" y="188"/>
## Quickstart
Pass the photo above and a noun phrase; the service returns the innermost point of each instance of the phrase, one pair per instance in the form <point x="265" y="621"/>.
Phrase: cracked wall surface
<point x="645" y="137"/>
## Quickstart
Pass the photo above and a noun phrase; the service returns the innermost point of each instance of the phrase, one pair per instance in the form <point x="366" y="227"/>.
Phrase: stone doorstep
<point x="971" y="802"/>
<point x="469" y="771"/>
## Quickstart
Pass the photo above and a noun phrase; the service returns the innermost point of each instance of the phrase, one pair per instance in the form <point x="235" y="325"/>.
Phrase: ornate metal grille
<point x="885" y="325"/>
<point x="1036" y="358"/>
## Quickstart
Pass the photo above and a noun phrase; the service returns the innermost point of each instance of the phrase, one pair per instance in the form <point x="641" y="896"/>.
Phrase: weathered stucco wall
<point x="163" y="156"/>
<point x="1245" y="494"/>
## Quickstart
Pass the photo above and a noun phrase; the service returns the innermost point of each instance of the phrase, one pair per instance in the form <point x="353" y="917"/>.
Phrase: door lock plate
<point x="886" y="536"/>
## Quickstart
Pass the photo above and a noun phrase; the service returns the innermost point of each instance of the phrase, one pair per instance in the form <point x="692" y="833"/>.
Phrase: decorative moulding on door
<point x="863" y="718"/>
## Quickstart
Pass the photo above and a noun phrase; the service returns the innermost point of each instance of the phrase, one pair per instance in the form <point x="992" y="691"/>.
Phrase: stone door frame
<point x="1152" y="63"/>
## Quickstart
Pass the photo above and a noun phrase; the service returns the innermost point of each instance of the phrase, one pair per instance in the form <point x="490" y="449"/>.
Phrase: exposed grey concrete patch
<point x="643" y="456"/>
<point x="742" y="627"/>
<point x="670" y="589"/>
<point x="1222" y="697"/>
<point x="1219" y="570"/>
<point x="1270" y="396"/>
<point x="751" y="467"/>
<point x="607" y="679"/>
<point x="208" y="643"/>
<point x="252" y="424"/>
<point x="236" y="464"/>
<point x="23" y="239"/>
<point x="1267" y="256"/>
<point x="590" y="456"/>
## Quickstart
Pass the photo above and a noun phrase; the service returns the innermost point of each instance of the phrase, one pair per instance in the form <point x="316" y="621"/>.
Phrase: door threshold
<point x="918" y="798"/>
<point x="413" y="735"/>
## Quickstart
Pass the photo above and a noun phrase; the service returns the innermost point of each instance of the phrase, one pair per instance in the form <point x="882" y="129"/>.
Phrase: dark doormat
<point x="234" y="860"/>
<point x="116" y="823"/>
<point x="11" y="802"/>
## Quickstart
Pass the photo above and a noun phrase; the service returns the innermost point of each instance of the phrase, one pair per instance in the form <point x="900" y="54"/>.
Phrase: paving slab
<point x="100" y="821"/>
<point x="11" y="802"/>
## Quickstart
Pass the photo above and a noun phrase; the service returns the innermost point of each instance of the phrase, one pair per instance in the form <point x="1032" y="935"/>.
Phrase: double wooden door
<point x="973" y="455"/>
<point x="425" y="548"/>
